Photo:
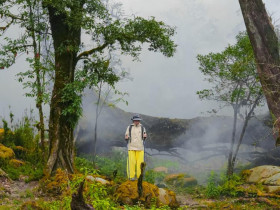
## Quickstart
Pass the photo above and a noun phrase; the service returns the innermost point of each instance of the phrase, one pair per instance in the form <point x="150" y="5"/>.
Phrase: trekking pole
<point x="127" y="162"/>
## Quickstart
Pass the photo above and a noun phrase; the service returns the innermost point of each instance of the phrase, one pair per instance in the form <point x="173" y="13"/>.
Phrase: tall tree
<point x="30" y="17"/>
<point x="235" y="83"/>
<point x="266" y="50"/>
<point x="68" y="19"/>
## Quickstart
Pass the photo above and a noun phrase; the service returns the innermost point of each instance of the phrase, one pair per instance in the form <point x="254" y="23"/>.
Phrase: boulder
<point x="267" y="175"/>
<point x="127" y="194"/>
<point x="182" y="180"/>
<point x="6" y="153"/>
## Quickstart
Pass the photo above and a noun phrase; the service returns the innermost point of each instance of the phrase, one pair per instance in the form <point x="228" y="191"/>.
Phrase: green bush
<point x="106" y="165"/>
<point x="212" y="189"/>
<point x="230" y="186"/>
<point x="33" y="172"/>
<point x="154" y="177"/>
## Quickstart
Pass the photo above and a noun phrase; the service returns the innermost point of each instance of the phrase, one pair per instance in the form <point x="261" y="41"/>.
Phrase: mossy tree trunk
<point x="66" y="40"/>
<point x="266" y="50"/>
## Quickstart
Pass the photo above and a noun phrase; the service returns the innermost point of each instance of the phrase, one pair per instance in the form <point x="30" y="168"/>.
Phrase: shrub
<point x="154" y="177"/>
<point x="212" y="189"/>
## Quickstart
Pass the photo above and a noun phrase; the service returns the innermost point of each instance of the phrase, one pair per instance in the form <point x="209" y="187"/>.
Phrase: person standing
<point x="135" y="136"/>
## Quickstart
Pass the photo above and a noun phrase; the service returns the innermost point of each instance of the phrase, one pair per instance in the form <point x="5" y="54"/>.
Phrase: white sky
<point x="164" y="87"/>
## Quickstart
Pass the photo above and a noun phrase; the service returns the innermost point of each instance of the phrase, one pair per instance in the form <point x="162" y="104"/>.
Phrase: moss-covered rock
<point x="6" y="153"/>
<point x="16" y="163"/>
<point x="127" y="194"/>
<point x="182" y="180"/>
<point x="30" y="205"/>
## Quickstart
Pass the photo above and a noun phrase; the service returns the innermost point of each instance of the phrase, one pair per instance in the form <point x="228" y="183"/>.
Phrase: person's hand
<point x="144" y="135"/>
<point x="126" y="137"/>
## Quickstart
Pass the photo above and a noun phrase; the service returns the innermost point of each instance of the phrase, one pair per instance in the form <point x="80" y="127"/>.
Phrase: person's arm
<point x="126" y="137"/>
<point x="144" y="134"/>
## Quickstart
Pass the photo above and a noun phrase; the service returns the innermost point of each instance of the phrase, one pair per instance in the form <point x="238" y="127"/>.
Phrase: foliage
<point x="232" y="74"/>
<point x="212" y="189"/>
<point x="85" y="166"/>
<point x="106" y="165"/>
<point x="153" y="177"/>
<point x="30" y="171"/>
<point x="159" y="162"/>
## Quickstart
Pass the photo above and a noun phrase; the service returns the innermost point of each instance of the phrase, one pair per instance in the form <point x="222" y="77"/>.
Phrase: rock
<point x="98" y="179"/>
<point x="161" y="169"/>
<point x="267" y="175"/>
<point x="6" y="152"/>
<point x="127" y="194"/>
<point x="182" y="180"/>
<point x="166" y="197"/>
<point x="16" y="163"/>
<point x="261" y="173"/>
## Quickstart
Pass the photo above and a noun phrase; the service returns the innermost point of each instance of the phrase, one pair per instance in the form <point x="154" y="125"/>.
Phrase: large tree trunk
<point x="266" y="50"/>
<point x="66" y="43"/>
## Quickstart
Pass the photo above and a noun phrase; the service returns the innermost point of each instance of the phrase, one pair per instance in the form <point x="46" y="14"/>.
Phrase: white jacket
<point x="136" y="141"/>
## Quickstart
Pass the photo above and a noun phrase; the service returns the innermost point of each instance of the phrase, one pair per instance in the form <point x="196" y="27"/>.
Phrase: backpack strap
<point x="130" y="128"/>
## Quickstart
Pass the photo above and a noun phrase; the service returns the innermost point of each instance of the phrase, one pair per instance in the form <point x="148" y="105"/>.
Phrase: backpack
<point x="142" y="132"/>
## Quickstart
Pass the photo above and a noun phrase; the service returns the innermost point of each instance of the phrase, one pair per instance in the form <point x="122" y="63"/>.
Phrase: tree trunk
<point x="39" y="101"/>
<point x="247" y="118"/>
<point x="266" y="50"/>
<point x="66" y="40"/>
<point x="230" y="167"/>
<point x="96" y="121"/>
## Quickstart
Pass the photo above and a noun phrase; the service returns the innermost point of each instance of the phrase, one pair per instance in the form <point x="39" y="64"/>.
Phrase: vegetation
<point x="235" y="83"/>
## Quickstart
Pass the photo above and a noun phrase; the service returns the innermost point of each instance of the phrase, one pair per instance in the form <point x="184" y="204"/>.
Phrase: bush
<point x="212" y="189"/>
<point x="154" y="177"/>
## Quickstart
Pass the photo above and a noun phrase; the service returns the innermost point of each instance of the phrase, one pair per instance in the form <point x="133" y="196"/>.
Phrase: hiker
<point x="135" y="136"/>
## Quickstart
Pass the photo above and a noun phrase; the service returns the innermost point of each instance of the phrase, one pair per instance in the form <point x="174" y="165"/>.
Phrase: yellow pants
<point x="134" y="160"/>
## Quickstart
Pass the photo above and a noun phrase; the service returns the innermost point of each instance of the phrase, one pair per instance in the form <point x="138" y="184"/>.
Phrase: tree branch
<point x="89" y="52"/>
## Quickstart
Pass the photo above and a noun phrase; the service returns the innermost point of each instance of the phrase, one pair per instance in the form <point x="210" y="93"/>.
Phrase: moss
<point x="16" y="163"/>
<point x="1" y="133"/>
<point x="127" y="194"/>
<point x="30" y="205"/>
<point x="245" y="174"/>
<point x="55" y="184"/>
<point x="6" y="152"/>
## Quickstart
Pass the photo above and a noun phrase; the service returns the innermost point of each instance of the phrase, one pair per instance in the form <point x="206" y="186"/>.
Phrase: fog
<point x="161" y="86"/>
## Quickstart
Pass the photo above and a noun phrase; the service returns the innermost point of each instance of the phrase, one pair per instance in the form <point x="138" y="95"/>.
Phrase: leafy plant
<point x="212" y="189"/>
